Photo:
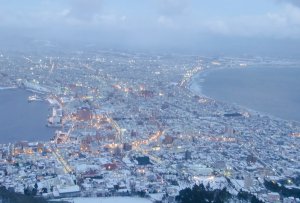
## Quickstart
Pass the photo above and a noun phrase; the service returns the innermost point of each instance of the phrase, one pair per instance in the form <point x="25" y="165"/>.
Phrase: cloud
<point x="284" y="23"/>
<point x="293" y="2"/>
<point x="173" y="7"/>
<point x="84" y="10"/>
<point x="157" y="22"/>
<point x="166" y="21"/>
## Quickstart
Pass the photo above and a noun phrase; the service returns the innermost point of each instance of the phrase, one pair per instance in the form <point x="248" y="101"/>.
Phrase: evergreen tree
<point x="201" y="194"/>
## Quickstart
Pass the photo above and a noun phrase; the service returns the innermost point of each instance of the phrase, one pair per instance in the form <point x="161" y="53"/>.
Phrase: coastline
<point x="8" y="88"/>
<point x="195" y="88"/>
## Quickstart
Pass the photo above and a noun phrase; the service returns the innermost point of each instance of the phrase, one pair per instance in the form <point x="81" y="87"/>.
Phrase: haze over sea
<point x="274" y="91"/>
<point x="21" y="120"/>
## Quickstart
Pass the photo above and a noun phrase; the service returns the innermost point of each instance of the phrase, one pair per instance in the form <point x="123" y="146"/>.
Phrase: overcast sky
<point x="186" y="25"/>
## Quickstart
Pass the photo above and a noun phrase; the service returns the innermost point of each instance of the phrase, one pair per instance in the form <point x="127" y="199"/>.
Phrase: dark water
<point x="275" y="91"/>
<point x="21" y="120"/>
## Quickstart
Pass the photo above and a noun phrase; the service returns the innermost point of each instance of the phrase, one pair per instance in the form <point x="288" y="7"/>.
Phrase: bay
<point x="22" y="120"/>
<point x="270" y="90"/>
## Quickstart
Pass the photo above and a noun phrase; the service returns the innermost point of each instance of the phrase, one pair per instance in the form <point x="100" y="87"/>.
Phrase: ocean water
<point x="21" y="120"/>
<point x="272" y="90"/>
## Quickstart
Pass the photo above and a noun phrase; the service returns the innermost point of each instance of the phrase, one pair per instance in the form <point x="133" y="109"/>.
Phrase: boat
<point x="34" y="98"/>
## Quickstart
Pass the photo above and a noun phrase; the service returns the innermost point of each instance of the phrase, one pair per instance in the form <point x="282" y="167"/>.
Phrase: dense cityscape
<point x="133" y="124"/>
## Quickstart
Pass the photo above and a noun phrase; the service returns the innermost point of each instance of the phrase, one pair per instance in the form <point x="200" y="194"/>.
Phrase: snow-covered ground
<point x="112" y="200"/>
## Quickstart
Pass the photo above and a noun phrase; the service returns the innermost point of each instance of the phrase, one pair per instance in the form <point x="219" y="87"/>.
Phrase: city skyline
<point x="171" y="101"/>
